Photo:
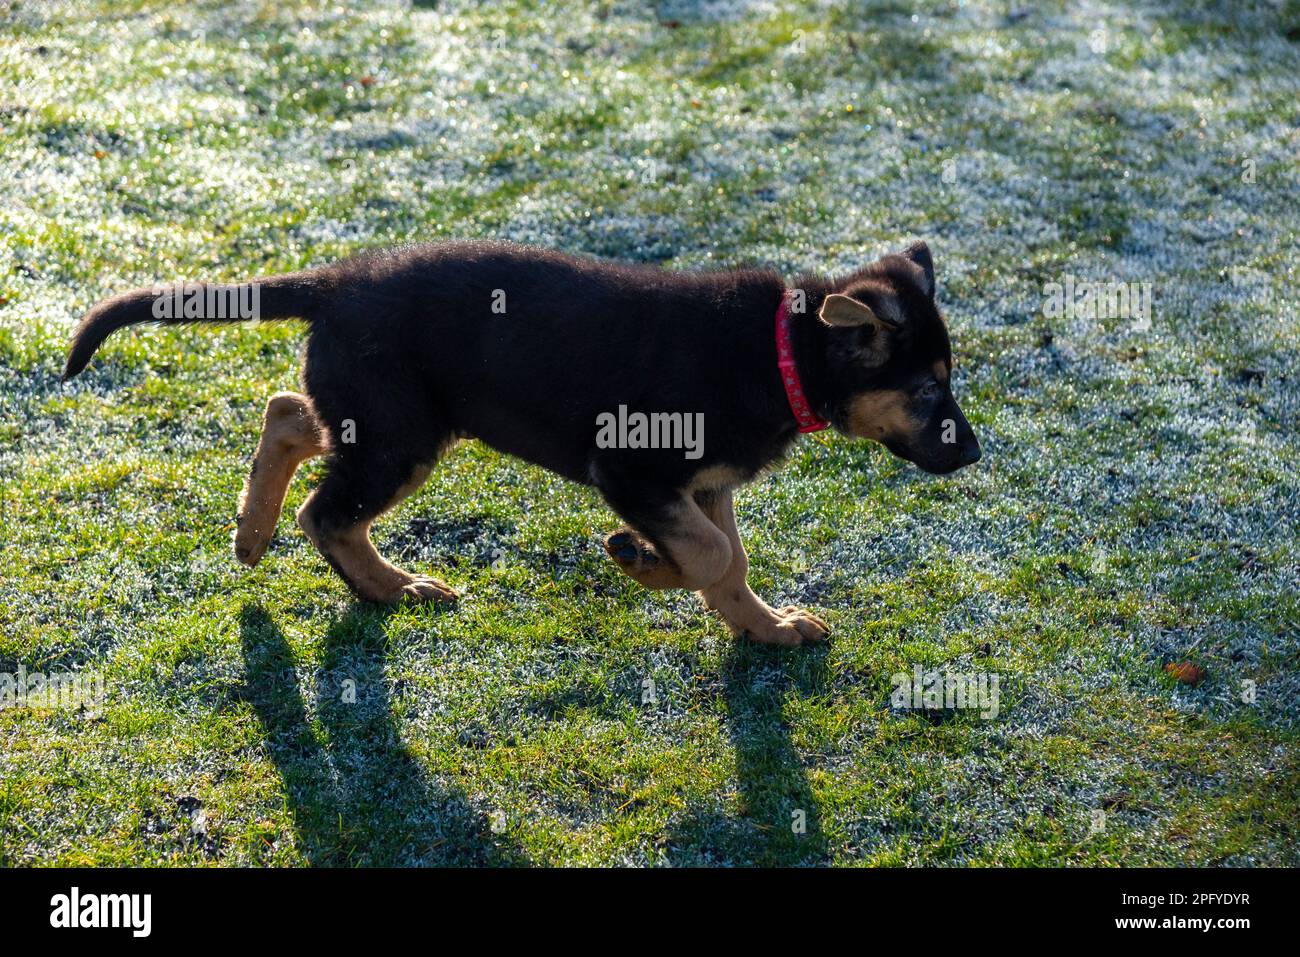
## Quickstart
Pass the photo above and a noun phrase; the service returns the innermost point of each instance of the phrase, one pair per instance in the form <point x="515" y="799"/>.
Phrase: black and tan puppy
<point x="531" y="351"/>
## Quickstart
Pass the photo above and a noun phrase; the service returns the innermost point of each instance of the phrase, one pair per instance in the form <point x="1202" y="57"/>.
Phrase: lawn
<point x="1136" y="506"/>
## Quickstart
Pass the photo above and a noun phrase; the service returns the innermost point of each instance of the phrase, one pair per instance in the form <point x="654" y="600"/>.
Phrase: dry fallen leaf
<point x="1186" y="672"/>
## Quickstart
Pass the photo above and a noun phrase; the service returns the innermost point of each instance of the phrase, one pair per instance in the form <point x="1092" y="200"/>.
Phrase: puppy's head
<point x="890" y="362"/>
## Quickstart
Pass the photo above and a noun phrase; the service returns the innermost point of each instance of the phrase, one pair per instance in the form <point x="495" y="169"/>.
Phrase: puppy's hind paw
<point x="425" y="590"/>
<point x="249" y="543"/>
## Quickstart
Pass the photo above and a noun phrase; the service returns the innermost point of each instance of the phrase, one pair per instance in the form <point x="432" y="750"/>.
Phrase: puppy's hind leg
<point x="291" y="434"/>
<point x="337" y="517"/>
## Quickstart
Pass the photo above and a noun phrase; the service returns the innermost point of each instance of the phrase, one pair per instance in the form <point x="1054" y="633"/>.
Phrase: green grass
<point x="1136" y="505"/>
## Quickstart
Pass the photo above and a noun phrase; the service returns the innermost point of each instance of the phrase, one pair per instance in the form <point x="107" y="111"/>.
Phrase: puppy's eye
<point x="929" y="390"/>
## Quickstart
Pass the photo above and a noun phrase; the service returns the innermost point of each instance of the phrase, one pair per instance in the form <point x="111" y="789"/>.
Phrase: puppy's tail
<point x="290" y="296"/>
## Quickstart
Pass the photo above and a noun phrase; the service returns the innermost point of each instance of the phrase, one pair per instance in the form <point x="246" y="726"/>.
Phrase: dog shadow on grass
<point x="357" y="795"/>
<point x="778" y="822"/>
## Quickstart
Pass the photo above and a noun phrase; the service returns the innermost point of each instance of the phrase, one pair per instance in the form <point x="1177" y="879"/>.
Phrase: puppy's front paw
<point x="639" y="561"/>
<point x="806" y="623"/>
<point x="790" y="627"/>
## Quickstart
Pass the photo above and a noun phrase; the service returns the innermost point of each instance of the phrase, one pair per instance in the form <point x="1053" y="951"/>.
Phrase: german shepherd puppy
<point x="531" y="350"/>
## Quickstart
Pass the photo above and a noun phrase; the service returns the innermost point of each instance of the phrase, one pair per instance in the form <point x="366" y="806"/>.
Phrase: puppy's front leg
<point x="671" y="544"/>
<point x="731" y="597"/>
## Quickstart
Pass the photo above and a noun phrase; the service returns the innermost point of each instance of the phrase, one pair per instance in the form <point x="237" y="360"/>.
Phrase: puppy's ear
<point x="845" y="312"/>
<point x="919" y="253"/>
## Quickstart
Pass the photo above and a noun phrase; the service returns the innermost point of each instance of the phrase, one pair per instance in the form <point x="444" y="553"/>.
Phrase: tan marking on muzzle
<point x="881" y="415"/>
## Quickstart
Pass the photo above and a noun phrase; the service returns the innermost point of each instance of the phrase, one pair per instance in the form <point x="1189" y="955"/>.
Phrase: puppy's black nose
<point x="970" y="454"/>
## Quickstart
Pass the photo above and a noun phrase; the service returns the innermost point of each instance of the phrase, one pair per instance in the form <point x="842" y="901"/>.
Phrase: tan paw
<point x="809" y="625"/>
<point x="790" y="627"/>
<point x="250" y="541"/>
<point x="425" y="589"/>
<point x="639" y="561"/>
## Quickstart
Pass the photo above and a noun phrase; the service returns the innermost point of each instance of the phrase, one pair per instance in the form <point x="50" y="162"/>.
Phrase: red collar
<point x="808" y="420"/>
